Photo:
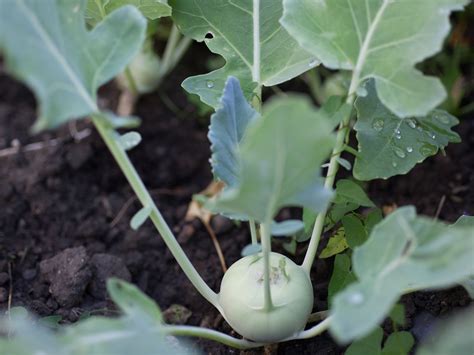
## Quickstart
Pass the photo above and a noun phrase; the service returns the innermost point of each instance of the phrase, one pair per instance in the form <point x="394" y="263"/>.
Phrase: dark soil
<point x="62" y="209"/>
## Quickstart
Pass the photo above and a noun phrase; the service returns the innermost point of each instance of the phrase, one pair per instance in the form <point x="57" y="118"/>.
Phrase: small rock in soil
<point x="68" y="274"/>
<point x="78" y="154"/>
<point x="3" y="278"/>
<point x="106" y="266"/>
<point x="29" y="274"/>
<point x="177" y="314"/>
<point x="39" y="308"/>
<point x="3" y="294"/>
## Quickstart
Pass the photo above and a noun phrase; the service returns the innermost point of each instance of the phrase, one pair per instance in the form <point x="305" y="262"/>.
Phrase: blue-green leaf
<point x="46" y="45"/>
<point x="404" y="253"/>
<point x="274" y="171"/>
<point x="286" y="228"/>
<point x="389" y="145"/>
<point x="256" y="48"/>
<point x="130" y="140"/>
<point x="379" y="39"/>
<point x="228" y="126"/>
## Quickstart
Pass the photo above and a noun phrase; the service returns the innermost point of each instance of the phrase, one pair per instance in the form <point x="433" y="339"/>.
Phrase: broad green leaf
<point x="371" y="344"/>
<point x="133" y="302"/>
<point x="255" y="46"/>
<point x="342" y="275"/>
<point x="286" y="228"/>
<point x="373" y="218"/>
<point x="398" y="343"/>
<point x="46" y="45"/>
<point x="397" y="314"/>
<point x="355" y="231"/>
<point x="349" y="191"/>
<point x="379" y="39"/>
<point x="336" y="244"/>
<point x="389" y="145"/>
<point x="404" y="253"/>
<point x="274" y="173"/>
<point x="228" y="126"/>
<point x="452" y="336"/>
<point x="151" y="9"/>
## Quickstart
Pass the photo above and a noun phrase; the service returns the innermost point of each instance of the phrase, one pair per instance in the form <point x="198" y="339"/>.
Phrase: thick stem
<point x="169" y="50"/>
<point x="132" y="84"/>
<point x="253" y="231"/>
<point x="266" y="250"/>
<point x="256" y="41"/>
<point x="313" y="331"/>
<point x="110" y="138"/>
<point x="328" y="183"/>
<point x="190" y="331"/>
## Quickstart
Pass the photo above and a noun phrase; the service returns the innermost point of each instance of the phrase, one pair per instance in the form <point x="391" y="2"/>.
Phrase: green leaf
<point x="389" y="145"/>
<point x="286" y="228"/>
<point x="46" y="45"/>
<point x="341" y="276"/>
<point x="373" y="218"/>
<point x="397" y="314"/>
<point x="140" y="217"/>
<point x="453" y="336"/>
<point x="228" y="126"/>
<point x="371" y="344"/>
<point x="355" y="232"/>
<point x="133" y="302"/>
<point x="379" y="39"/>
<point x="404" y="253"/>
<point x="263" y="54"/>
<point x="398" y="343"/>
<point x="349" y="191"/>
<point x="274" y="172"/>
<point x="151" y="9"/>
<point x="336" y="244"/>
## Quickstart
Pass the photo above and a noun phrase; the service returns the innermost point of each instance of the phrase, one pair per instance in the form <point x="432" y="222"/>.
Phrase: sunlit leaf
<point x="227" y="28"/>
<point x="404" y="253"/>
<point x="379" y="39"/>
<point x="46" y="45"/>
<point x="389" y="145"/>
<point x="336" y="244"/>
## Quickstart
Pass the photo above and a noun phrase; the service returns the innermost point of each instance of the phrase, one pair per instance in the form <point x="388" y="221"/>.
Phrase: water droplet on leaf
<point x="313" y="62"/>
<point x="399" y="152"/>
<point x="411" y="122"/>
<point x="427" y="150"/>
<point x="355" y="298"/>
<point x="409" y="149"/>
<point x="210" y="84"/>
<point x="378" y="124"/>
<point x="441" y="117"/>
<point x="394" y="164"/>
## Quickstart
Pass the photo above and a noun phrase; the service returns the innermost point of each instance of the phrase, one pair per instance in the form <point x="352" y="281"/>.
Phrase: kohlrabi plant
<point x="272" y="155"/>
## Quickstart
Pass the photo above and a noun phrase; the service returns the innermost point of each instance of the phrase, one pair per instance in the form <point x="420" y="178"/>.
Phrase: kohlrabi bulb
<point x="145" y="70"/>
<point x="242" y="298"/>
